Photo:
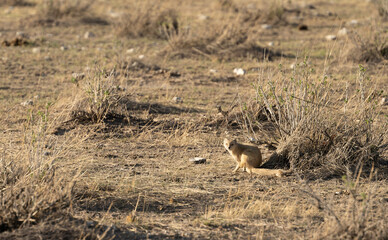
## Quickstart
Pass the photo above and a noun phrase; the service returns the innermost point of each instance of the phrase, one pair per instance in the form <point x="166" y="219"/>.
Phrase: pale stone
<point x="239" y="71"/>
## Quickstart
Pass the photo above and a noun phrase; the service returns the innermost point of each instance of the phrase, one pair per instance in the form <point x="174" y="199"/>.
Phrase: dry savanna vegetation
<point x="104" y="103"/>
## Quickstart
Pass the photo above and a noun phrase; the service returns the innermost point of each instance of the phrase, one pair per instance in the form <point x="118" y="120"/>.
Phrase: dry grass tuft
<point x="31" y="191"/>
<point x="316" y="137"/>
<point x="149" y="19"/>
<point x="369" y="48"/>
<point x="226" y="41"/>
<point x="99" y="93"/>
<point x="382" y="7"/>
<point x="54" y="12"/>
<point x="273" y="13"/>
<point x="15" y="3"/>
<point x="56" y="9"/>
<point x="358" y="220"/>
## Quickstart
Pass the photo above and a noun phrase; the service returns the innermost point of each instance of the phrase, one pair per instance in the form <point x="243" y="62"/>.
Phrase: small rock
<point x="197" y="160"/>
<point x="27" y="103"/>
<point x="141" y="56"/>
<point x="384" y="101"/>
<point x="131" y="50"/>
<point x="63" y="48"/>
<point x="47" y="58"/>
<point x="353" y="22"/>
<point x="177" y="99"/>
<point x="271" y="44"/>
<point x="113" y="14"/>
<point x="83" y="48"/>
<point x="342" y="32"/>
<point x="331" y="37"/>
<point x="266" y="26"/>
<point x="213" y="71"/>
<point x="49" y="35"/>
<point x="292" y="66"/>
<point x="203" y="17"/>
<point x="46" y="153"/>
<point x="303" y="27"/>
<point x="88" y="35"/>
<point x="78" y="76"/>
<point x="239" y="71"/>
<point x="36" y="50"/>
<point x="337" y="193"/>
<point x="21" y="34"/>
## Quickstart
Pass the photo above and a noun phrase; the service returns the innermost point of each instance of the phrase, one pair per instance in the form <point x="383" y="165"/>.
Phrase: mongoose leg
<point x="237" y="167"/>
<point x="249" y="171"/>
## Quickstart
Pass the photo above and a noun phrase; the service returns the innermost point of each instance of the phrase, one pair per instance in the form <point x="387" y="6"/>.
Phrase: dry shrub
<point x="369" y="48"/>
<point x="364" y="216"/>
<point x="273" y="12"/>
<point x="56" y="9"/>
<point x="54" y="12"/>
<point x="148" y="19"/>
<point x="15" y="3"/>
<point x="382" y="8"/>
<point x="315" y="137"/>
<point x="224" y="41"/>
<point x="97" y="96"/>
<point x="31" y="191"/>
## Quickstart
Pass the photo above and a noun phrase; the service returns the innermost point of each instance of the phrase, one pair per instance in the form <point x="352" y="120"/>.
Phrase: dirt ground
<point x="132" y="171"/>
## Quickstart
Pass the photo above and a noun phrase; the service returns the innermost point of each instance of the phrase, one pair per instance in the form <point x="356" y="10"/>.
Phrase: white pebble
<point x="331" y="37"/>
<point x="239" y="71"/>
<point x="353" y="22"/>
<point x="88" y="35"/>
<point x="36" y="50"/>
<point x="384" y="101"/>
<point x="177" y="99"/>
<point x="342" y="32"/>
<point x="203" y="17"/>
<point x="27" y="103"/>
<point x="266" y="26"/>
<point x="21" y="34"/>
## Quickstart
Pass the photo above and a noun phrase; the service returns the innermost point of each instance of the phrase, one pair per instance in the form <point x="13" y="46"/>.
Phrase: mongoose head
<point x="229" y="144"/>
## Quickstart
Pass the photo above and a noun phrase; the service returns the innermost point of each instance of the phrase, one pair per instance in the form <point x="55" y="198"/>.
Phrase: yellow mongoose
<point x="249" y="158"/>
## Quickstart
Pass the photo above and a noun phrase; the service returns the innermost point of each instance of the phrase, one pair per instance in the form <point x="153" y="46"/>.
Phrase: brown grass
<point x="108" y="158"/>
<point x="31" y="190"/>
<point x="316" y="135"/>
<point x="97" y="96"/>
<point x="149" y="19"/>
<point x="382" y="7"/>
<point x="233" y="40"/>
<point x="371" y="47"/>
